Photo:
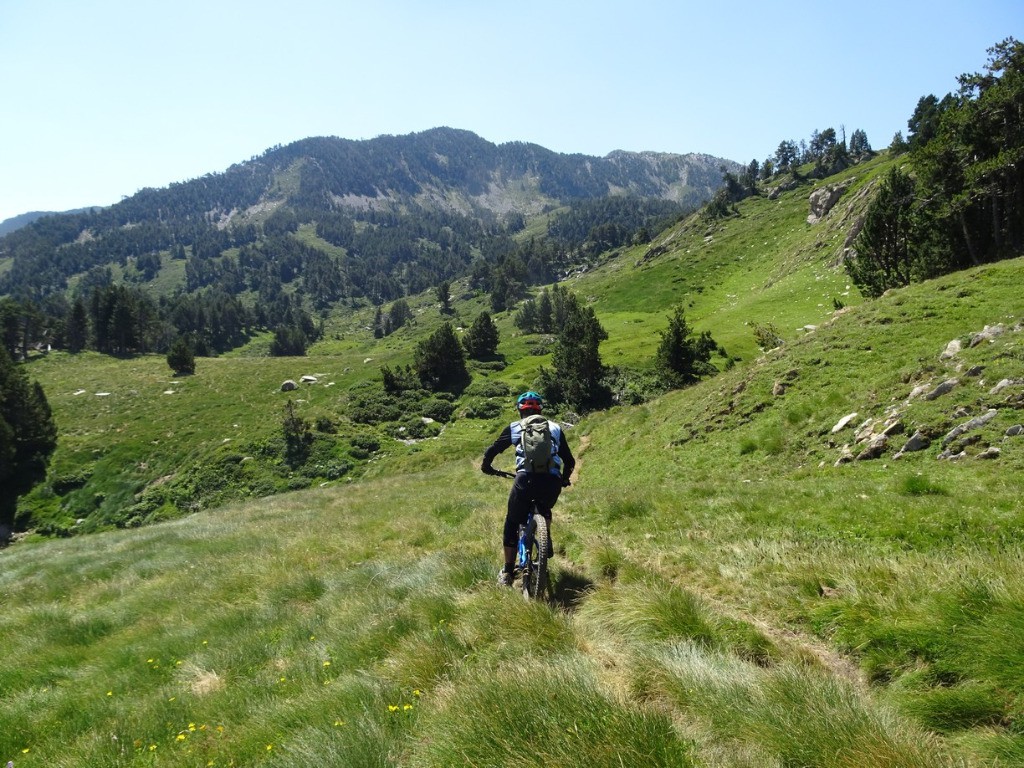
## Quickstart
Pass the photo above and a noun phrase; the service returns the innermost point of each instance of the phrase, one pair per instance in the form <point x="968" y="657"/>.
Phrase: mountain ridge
<point x="338" y="183"/>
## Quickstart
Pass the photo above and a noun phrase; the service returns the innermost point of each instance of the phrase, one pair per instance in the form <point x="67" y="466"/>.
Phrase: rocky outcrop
<point x="822" y="200"/>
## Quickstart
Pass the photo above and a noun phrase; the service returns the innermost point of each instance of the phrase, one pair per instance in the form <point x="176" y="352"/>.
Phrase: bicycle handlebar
<point x="511" y="476"/>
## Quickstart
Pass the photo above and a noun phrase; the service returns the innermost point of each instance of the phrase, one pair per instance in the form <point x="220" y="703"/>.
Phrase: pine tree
<point x="682" y="359"/>
<point x="481" y="340"/>
<point x="28" y="436"/>
<point x="885" y="245"/>
<point x="444" y="295"/>
<point x="77" y="327"/>
<point x="578" y="371"/>
<point x="181" y="358"/>
<point x="440" y="362"/>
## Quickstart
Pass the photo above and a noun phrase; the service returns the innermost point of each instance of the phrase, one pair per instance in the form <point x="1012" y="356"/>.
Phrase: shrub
<point x="437" y="409"/>
<point x="488" y="388"/>
<point x="484" y="409"/>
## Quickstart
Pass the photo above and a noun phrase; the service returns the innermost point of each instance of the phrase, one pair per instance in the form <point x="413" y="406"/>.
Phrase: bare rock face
<point x="822" y="200"/>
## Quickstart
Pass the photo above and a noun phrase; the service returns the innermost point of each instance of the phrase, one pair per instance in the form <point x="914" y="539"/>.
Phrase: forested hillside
<point x="324" y="220"/>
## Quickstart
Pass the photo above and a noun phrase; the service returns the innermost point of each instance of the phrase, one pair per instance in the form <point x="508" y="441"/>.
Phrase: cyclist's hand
<point x="566" y="482"/>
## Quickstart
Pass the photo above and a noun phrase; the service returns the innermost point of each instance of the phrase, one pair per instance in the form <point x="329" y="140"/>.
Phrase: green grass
<point x="726" y="595"/>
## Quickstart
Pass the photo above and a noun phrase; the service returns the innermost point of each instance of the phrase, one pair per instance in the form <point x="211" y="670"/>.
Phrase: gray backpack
<point x="538" y="445"/>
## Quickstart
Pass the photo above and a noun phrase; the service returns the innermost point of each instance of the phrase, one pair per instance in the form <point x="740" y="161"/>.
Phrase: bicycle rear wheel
<point x="537" y="583"/>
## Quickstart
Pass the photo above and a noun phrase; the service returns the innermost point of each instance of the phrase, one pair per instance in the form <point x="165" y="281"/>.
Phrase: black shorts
<point x="529" y="489"/>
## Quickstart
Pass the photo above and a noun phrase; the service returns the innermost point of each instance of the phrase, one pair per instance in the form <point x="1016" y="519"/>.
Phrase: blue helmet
<point x="529" y="402"/>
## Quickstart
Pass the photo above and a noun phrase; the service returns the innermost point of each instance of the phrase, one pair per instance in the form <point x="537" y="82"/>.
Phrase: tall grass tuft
<point x="792" y="715"/>
<point x="545" y="711"/>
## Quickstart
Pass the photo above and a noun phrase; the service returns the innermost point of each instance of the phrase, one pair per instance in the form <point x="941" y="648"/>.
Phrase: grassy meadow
<point x="726" y="594"/>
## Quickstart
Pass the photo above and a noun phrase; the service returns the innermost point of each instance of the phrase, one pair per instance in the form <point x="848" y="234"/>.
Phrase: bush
<point x="484" y="409"/>
<point x="417" y="429"/>
<point x="437" y="409"/>
<point x="488" y="388"/>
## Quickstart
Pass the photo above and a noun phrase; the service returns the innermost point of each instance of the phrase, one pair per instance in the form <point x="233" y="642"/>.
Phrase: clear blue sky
<point x="101" y="98"/>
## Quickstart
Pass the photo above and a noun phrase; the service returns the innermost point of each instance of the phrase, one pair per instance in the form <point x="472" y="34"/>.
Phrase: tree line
<point x="958" y="198"/>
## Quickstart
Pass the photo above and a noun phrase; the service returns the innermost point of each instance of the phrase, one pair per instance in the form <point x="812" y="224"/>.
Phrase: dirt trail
<point x="583" y="444"/>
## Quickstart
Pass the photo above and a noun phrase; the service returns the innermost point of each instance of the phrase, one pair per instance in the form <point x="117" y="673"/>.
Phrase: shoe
<point x="504" y="578"/>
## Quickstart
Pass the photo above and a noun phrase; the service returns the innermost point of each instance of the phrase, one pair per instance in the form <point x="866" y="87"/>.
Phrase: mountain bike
<point x="531" y="566"/>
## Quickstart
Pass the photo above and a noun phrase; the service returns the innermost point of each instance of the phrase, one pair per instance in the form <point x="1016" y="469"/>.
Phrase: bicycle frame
<point x="530" y="564"/>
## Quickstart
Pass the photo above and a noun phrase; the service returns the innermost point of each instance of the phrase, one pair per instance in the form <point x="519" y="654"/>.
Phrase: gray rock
<point x="988" y="334"/>
<point x="893" y="427"/>
<point x="822" y="200"/>
<point x="975" y="423"/>
<point x="1016" y="429"/>
<point x="845" y="456"/>
<point x="917" y="442"/>
<point x="874" y="449"/>
<point x="917" y="391"/>
<point x="289" y="386"/>
<point x="952" y="350"/>
<point x="943" y="388"/>
<point x="989" y="453"/>
<point x="1001" y="386"/>
<point x="844" y="422"/>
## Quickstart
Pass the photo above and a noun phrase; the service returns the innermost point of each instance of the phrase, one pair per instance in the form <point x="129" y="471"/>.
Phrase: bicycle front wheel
<point x="538" y="576"/>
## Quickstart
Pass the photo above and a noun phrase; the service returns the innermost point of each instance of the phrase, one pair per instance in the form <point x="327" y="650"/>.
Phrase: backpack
<point x="537" y="443"/>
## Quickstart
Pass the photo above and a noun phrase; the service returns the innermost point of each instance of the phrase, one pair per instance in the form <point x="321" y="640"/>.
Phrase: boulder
<point x="1015" y="430"/>
<point x="288" y="386"/>
<point x="822" y="200"/>
<point x="943" y="388"/>
<point x="975" y="423"/>
<point x="307" y="379"/>
<point x="844" y="422"/>
<point x="989" y="453"/>
<point x="987" y="334"/>
<point x="917" y="442"/>
<point x="1001" y="386"/>
<point x="952" y="350"/>
<point x="845" y="456"/>
<point x="874" y="449"/>
<point x="919" y="390"/>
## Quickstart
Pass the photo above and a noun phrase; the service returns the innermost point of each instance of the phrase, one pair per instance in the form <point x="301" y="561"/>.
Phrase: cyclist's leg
<point x="546" y="490"/>
<point x="518" y="510"/>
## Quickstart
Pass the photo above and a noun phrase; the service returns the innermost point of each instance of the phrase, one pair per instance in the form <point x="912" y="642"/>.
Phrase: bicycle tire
<point x="538" y="581"/>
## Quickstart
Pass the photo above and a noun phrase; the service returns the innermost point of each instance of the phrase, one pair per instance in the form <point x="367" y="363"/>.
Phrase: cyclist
<point x="530" y="487"/>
